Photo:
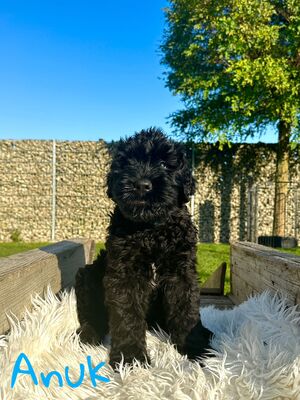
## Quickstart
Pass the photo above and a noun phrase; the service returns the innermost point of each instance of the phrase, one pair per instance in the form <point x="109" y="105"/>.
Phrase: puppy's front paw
<point x="116" y="359"/>
<point x="88" y="334"/>
<point x="197" y="343"/>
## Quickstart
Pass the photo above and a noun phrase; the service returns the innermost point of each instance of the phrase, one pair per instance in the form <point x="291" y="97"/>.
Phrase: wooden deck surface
<point x="221" y="302"/>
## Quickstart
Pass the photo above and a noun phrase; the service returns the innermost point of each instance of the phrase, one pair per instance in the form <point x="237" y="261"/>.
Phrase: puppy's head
<point x="149" y="176"/>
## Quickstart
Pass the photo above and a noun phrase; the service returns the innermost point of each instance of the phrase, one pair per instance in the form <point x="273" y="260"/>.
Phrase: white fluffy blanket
<point x="256" y="356"/>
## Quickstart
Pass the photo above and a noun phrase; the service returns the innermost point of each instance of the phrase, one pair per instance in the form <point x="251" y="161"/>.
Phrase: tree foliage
<point x="236" y="65"/>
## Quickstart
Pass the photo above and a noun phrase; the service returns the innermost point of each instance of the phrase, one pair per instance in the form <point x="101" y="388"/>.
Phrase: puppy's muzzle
<point x="143" y="186"/>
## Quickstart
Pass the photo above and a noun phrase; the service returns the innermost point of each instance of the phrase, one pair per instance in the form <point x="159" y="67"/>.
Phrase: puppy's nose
<point x="144" y="185"/>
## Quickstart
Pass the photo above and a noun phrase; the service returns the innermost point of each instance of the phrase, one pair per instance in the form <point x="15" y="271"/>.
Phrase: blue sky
<point x="75" y="70"/>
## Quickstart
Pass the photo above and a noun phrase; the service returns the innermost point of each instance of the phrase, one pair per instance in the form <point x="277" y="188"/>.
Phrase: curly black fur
<point x="147" y="275"/>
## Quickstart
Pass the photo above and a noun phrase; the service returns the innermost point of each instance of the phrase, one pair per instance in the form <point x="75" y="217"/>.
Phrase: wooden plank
<point x="263" y="274"/>
<point x="25" y="274"/>
<point x="221" y="302"/>
<point x="242" y="290"/>
<point x="271" y="268"/>
<point x="214" y="285"/>
<point x="255" y="268"/>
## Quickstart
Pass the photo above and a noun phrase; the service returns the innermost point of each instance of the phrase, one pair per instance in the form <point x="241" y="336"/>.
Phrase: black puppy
<point x="146" y="277"/>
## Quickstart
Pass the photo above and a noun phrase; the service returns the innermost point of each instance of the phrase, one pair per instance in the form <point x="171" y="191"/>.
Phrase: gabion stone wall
<point x="57" y="190"/>
<point x="25" y="189"/>
<point x="82" y="206"/>
<point x="27" y="172"/>
<point x="224" y="207"/>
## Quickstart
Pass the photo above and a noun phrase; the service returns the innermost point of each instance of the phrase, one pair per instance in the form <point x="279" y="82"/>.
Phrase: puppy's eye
<point x="163" y="164"/>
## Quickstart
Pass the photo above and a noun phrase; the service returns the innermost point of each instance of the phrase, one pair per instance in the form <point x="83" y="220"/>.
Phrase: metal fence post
<point x="193" y="196"/>
<point x="252" y="214"/>
<point x="53" y="216"/>
<point x="255" y="214"/>
<point x="249" y="213"/>
<point x="297" y="213"/>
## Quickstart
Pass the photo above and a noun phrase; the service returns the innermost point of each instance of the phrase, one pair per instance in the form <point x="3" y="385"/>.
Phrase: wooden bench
<point x="25" y="274"/>
<point x="255" y="268"/>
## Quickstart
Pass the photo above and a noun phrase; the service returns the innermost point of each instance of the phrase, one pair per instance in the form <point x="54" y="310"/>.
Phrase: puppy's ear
<point x="185" y="177"/>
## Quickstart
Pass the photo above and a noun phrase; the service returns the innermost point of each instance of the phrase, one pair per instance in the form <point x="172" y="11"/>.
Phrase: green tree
<point x="236" y="66"/>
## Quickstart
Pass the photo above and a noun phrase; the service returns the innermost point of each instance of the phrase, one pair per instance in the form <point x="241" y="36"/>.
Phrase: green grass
<point x="99" y="246"/>
<point x="8" y="249"/>
<point x="209" y="256"/>
<point x="295" y="251"/>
